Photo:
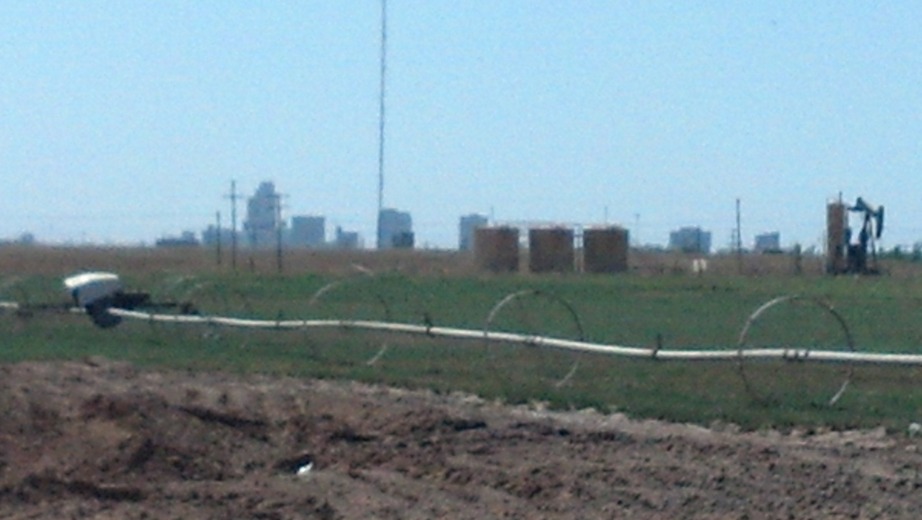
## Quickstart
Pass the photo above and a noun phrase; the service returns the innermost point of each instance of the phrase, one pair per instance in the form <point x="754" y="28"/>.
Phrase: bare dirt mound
<point x="104" y="440"/>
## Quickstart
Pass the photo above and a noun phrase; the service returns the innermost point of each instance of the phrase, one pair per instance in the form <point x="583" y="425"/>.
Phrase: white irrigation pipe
<point x="6" y="306"/>
<point x="735" y="354"/>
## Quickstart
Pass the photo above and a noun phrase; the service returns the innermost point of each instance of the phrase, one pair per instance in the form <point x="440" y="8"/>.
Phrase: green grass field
<point x="675" y="311"/>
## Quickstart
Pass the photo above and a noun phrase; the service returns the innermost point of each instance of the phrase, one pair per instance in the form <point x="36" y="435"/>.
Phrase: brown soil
<point x="105" y="440"/>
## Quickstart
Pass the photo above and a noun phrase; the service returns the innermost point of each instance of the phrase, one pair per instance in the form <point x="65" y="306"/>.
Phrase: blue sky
<point x="126" y="121"/>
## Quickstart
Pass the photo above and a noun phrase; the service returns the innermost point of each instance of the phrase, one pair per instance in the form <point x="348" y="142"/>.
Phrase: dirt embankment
<point x="104" y="440"/>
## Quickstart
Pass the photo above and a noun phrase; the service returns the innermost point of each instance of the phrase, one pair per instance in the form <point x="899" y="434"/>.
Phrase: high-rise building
<point x="211" y="236"/>
<point x="395" y="229"/>
<point x="768" y="242"/>
<point x="346" y="239"/>
<point x="690" y="240"/>
<point x="307" y="231"/>
<point x="263" y="222"/>
<point x="466" y="228"/>
<point x="185" y="239"/>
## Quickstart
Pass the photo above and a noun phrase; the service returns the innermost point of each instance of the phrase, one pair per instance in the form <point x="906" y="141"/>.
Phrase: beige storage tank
<point x="836" y="221"/>
<point x="496" y="249"/>
<point x="551" y="250"/>
<point x="605" y="250"/>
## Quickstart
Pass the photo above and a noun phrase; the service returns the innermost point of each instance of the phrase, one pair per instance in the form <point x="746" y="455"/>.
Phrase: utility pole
<point x="636" y="231"/>
<point x="278" y="232"/>
<point x="218" y="236"/>
<point x="739" y="240"/>
<point x="233" y="198"/>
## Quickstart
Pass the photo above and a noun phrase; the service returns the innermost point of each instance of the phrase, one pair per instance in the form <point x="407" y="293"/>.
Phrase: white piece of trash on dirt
<point x="304" y="470"/>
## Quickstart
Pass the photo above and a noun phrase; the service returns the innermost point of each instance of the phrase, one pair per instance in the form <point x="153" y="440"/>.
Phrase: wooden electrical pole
<point x="278" y="232"/>
<point x="233" y="198"/>
<point x="218" y="237"/>
<point x="739" y="240"/>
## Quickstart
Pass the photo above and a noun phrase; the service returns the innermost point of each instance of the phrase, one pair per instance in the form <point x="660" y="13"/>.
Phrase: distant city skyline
<point x="123" y="123"/>
<point x="264" y="223"/>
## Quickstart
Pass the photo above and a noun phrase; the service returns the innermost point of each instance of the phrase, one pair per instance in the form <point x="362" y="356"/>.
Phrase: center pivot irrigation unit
<point x="101" y="296"/>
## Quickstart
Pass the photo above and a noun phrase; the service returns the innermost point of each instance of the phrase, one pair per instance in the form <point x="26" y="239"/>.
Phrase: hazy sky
<point x="124" y="121"/>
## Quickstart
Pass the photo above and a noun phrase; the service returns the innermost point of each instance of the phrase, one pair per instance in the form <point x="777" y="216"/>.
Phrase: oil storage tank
<point x="496" y="249"/>
<point x="836" y="244"/>
<point x="605" y="250"/>
<point x="551" y="250"/>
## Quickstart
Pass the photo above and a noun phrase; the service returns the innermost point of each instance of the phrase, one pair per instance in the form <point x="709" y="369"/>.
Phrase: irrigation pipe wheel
<point x="794" y="325"/>
<point x="28" y="303"/>
<point x="544" y="362"/>
<point x="175" y="288"/>
<point x="212" y="299"/>
<point x="350" y="307"/>
<point x="14" y="315"/>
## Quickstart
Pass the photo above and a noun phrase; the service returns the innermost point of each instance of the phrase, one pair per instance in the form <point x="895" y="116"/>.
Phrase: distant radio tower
<point x="381" y="120"/>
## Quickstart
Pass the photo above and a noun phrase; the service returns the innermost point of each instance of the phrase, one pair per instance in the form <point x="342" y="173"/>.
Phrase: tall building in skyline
<point x="346" y="239"/>
<point x="690" y="240"/>
<point x="212" y="236"/>
<point x="307" y="231"/>
<point x="466" y="227"/>
<point x="263" y="220"/>
<point x="395" y="229"/>
<point x="768" y="242"/>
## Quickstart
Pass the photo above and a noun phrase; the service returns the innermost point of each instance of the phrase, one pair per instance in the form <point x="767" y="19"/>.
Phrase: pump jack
<point x="872" y="226"/>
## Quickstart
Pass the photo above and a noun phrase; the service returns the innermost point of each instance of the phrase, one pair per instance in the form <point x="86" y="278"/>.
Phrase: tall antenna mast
<point x="381" y="119"/>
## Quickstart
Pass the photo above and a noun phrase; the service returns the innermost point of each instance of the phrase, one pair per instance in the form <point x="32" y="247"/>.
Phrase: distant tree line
<point x="900" y="253"/>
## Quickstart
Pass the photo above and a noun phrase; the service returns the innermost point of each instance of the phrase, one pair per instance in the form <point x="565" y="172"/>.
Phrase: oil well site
<point x="158" y="383"/>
